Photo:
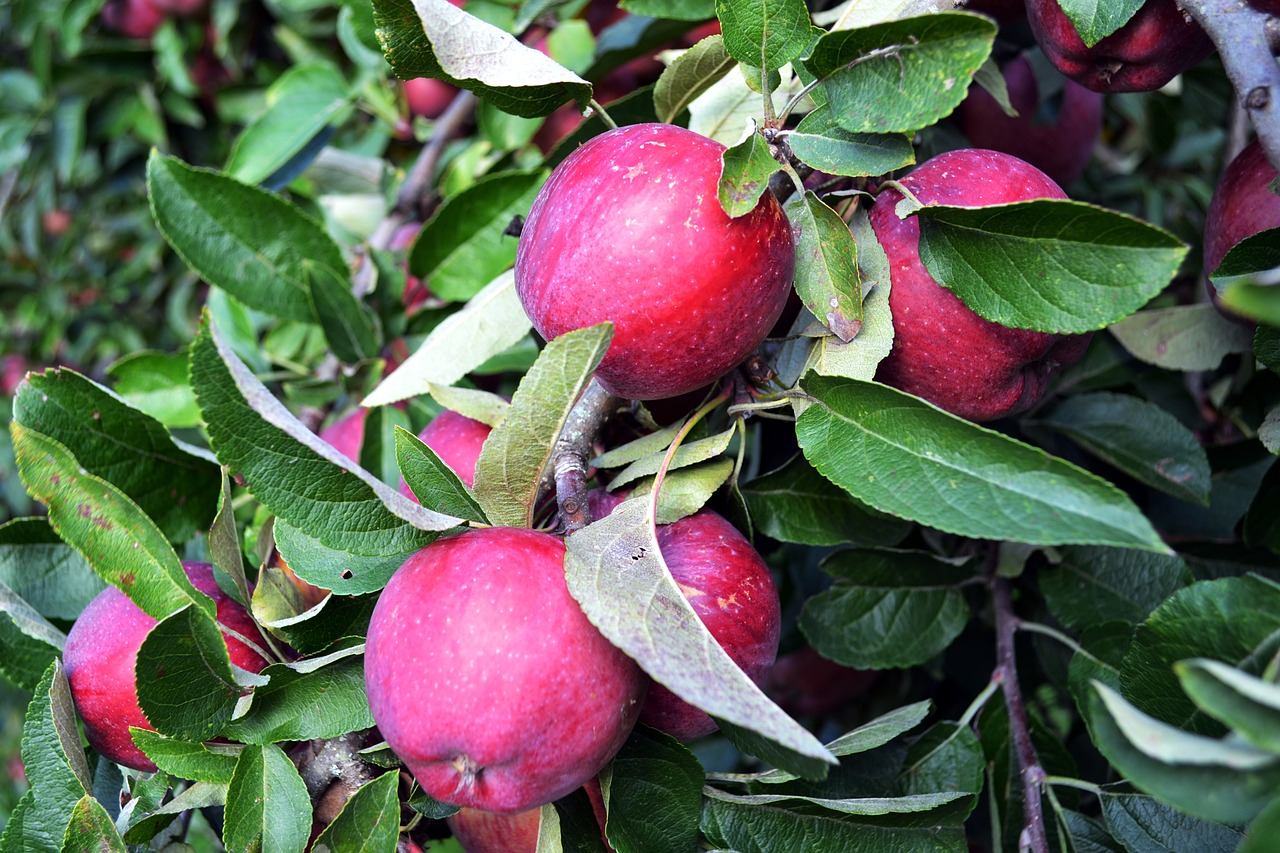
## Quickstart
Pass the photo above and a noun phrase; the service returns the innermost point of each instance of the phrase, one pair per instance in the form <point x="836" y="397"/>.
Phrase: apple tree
<point x="429" y="421"/>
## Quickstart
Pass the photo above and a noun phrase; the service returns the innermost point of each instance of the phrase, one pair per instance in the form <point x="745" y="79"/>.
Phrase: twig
<point x="1033" y="837"/>
<point x="573" y="449"/>
<point x="333" y="770"/>
<point x="1240" y="33"/>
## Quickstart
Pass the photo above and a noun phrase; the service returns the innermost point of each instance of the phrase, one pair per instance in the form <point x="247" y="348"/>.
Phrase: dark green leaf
<point x="1095" y="585"/>
<point x="185" y="685"/>
<point x="693" y="73"/>
<point x="744" y="175"/>
<point x="267" y="804"/>
<point x="947" y="757"/>
<point x="683" y="10"/>
<point x="1263" y="831"/>
<point x="333" y="568"/>
<point x="827" y="277"/>
<point x="432" y="481"/>
<point x="186" y="759"/>
<point x="1261" y="521"/>
<point x="654" y="794"/>
<point x="1266" y="346"/>
<point x="54" y="762"/>
<point x="225" y="550"/>
<point x="764" y="33"/>
<point x="349" y="325"/>
<point x="1184" y="337"/>
<point x="368" y="823"/>
<point x="820" y="142"/>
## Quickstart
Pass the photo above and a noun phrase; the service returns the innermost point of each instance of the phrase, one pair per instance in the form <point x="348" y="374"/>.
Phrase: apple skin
<point x="1157" y="44"/>
<point x="346" y="435"/>
<point x="1061" y="150"/>
<point x="135" y="19"/>
<point x="487" y="679"/>
<point x="490" y="832"/>
<point x="629" y="229"/>
<point x="101" y="653"/>
<point x="943" y="351"/>
<point x="733" y="593"/>
<point x="457" y="440"/>
<point x="1241" y="205"/>
<point x="804" y="683"/>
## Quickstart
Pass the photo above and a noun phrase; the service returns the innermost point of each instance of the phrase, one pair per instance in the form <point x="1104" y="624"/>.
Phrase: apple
<point x="135" y="19"/>
<point x="629" y="229"/>
<point x="805" y="683"/>
<point x="487" y="680"/>
<point x="733" y="593"/>
<point x="13" y="369"/>
<point x="428" y="97"/>
<point x="1157" y="44"/>
<point x="1061" y="149"/>
<point x="479" y="831"/>
<point x="100" y="656"/>
<point x="1241" y="205"/>
<point x="943" y="351"/>
<point x="346" y="435"/>
<point x="457" y="440"/>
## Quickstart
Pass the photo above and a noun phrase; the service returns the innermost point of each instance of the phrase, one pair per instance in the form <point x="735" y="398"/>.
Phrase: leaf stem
<point x="604" y="115"/>
<point x="1068" y="782"/>
<point x="697" y="416"/>
<point x="979" y="702"/>
<point x="1038" y="628"/>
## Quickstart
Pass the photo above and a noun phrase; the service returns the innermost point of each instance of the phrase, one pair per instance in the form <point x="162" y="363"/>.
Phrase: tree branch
<point x="1242" y="36"/>
<point x="572" y="451"/>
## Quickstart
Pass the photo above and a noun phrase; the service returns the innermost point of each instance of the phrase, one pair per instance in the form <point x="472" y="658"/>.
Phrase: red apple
<point x="457" y="440"/>
<point x="629" y="229"/>
<point x="1157" y="44"/>
<point x="135" y="19"/>
<point x="101" y="652"/>
<point x="492" y="832"/>
<point x="1061" y="149"/>
<point x="732" y="591"/>
<point x="487" y="679"/>
<point x="1241" y="205"/>
<point x="943" y="351"/>
<point x="807" y="684"/>
<point x="428" y="97"/>
<point x="416" y="293"/>
<point x="346" y="435"/>
<point x="13" y="368"/>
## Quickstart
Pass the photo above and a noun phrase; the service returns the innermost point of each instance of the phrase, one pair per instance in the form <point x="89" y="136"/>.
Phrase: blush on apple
<point x="346" y="435"/>
<point x="102" y="650"/>
<point x="487" y="679"/>
<point x="1157" y="44"/>
<point x="1241" y="205"/>
<point x="629" y="229"/>
<point x="1061" y="148"/>
<point x="135" y="19"/>
<point x="943" y="351"/>
<point x="457" y="440"/>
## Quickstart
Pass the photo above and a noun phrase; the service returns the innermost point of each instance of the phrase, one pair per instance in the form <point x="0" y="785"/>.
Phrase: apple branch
<point x="1243" y="38"/>
<point x="574" y="448"/>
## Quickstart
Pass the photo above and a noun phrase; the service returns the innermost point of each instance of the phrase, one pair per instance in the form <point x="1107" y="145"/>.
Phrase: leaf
<point x="910" y="459"/>
<point x="267" y="804"/>
<point x="1247" y="704"/>
<point x="686" y="491"/>
<point x="683" y="10"/>
<point x="1139" y="438"/>
<point x="887" y="609"/>
<point x="184" y="680"/>
<point x="1263" y="831"/>
<point x="1269" y="431"/>
<point x="654" y="793"/>
<point x="368" y="823"/>
<point x="254" y="435"/>
<point x="1145" y="824"/>
<point x="28" y="641"/>
<point x="764" y="34"/>
<point x="1094" y="20"/>
<point x="1261" y="522"/>
<point x="186" y="759"/>
<point x="516" y="453"/>
<point x="44" y="571"/>
<point x="744" y="176"/>
<point x="464" y="245"/>
<point x="251" y="243"/>
<point x="200" y="795"/>
<point x="491" y="322"/>
<point x="900" y="76"/>
<point x="123" y="446"/>
<point x="689" y="453"/>
<point x="797" y="504"/>
<point x="827" y="277"/>
<point x="432" y="481"/>
<point x="692" y="73"/>
<point x="333" y="568"/>
<point x="91" y="830"/>
<point x="1266" y="346"/>
<point x="54" y="762"/>
<point x="1258" y="301"/>
<point x="432" y="38"/>
<point x="157" y="383"/>
<point x="651" y="444"/>
<point x="863" y="806"/>
<point x="1184" y="337"/>
<point x="820" y="142"/>
<point x="224" y="549"/>
<point x="615" y="571"/>
<point x="348" y="324"/>
<point x="1095" y="585"/>
<point x="117" y="539"/>
<point x="1052" y="265"/>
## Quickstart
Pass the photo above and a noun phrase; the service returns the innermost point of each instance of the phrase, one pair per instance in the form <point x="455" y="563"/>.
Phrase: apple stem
<point x="1243" y="37"/>
<point x="604" y="115"/>
<point x="573" y="449"/>
<point x="706" y="409"/>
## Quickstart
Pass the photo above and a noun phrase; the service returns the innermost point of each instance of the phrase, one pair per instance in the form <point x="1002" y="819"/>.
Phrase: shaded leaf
<point x="267" y="804"/>
<point x="1184" y="337"/>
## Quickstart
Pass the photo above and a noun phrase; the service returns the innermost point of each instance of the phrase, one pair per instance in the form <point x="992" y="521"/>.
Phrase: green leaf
<point x="686" y="491"/>
<point x="186" y="759"/>
<point x="910" y="459"/>
<point x="861" y="806"/>
<point x="1246" y="703"/>
<point x="682" y="10"/>
<point x="368" y="823"/>
<point x="797" y="504"/>
<point x="693" y="73"/>
<point x="1266" y="346"/>
<point x="887" y="609"/>
<point x="432" y="481"/>
<point x="1095" y="585"/>
<point x="267" y="804"/>
<point x="820" y="142"/>
<point x="1052" y="265"/>
<point x="299" y="104"/>
<point x="900" y="76"/>
<point x="28" y="641"/>
<point x="654" y="792"/>
<point x="322" y="495"/>
<point x="54" y="761"/>
<point x="764" y="34"/>
<point x="286" y="707"/>
<point x="491" y="322"/>
<point x="572" y="823"/>
<point x="225" y="550"/>
<point x="91" y="830"/>
<point x="349" y="325"/>
<point x="119" y="541"/>
<point x="1149" y="826"/>
<point x="744" y="175"/>
<point x="1259" y="301"/>
<point x="44" y="571"/>
<point x="1094" y="20"/>
<point x="827" y="277"/>
<point x="157" y="383"/>
<point x="1139" y="438"/>
<point x="463" y="246"/>
<point x="155" y="820"/>
<point x="251" y="243"/>
<point x="1211" y="779"/>
<point x="689" y="453"/>
<point x="123" y="446"/>
<point x="1269" y="431"/>
<point x="1184" y="337"/>
<point x="185" y="685"/>
<point x="509" y="471"/>
<point x="333" y="568"/>
<point x="432" y="38"/>
<point x="1263" y="831"/>
<point x="1234" y="620"/>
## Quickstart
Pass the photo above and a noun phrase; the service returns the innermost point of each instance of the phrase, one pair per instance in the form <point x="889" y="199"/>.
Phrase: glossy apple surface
<point x="629" y="229"/>
<point x="346" y="435"/>
<point x="1157" y="44"/>
<point x="492" y="832"/>
<point x="487" y="679"/>
<point x="733" y="593"/>
<point x="1061" y="148"/>
<point x="101" y="652"/>
<point x="457" y="440"/>
<point x="943" y="351"/>
<point x="1241" y="205"/>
